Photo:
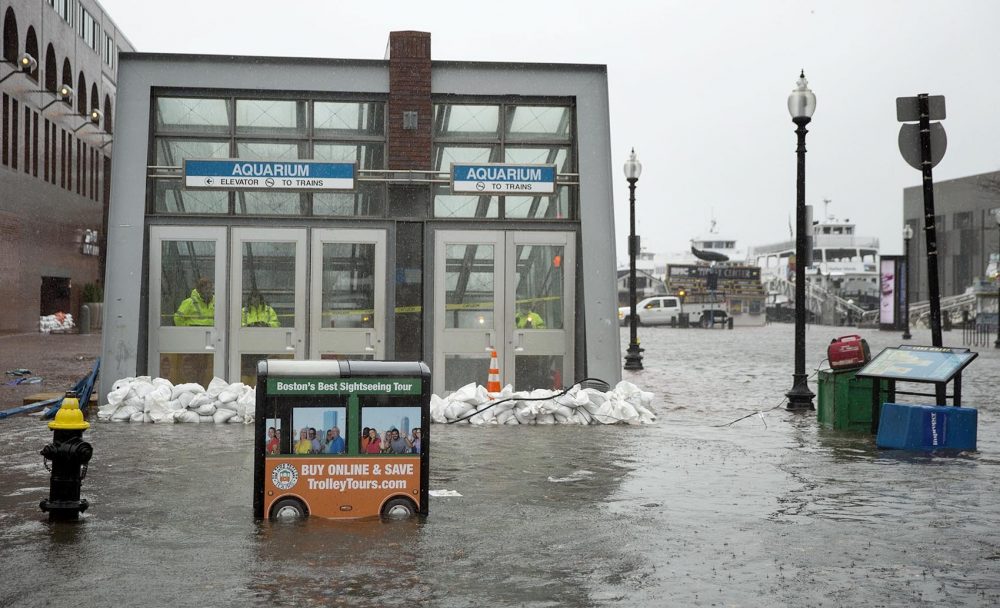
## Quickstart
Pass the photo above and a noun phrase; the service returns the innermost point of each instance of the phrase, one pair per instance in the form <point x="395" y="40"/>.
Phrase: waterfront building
<point x="59" y="67"/>
<point x="966" y="232"/>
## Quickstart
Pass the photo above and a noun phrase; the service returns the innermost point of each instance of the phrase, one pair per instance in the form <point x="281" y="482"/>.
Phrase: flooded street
<point x="771" y="510"/>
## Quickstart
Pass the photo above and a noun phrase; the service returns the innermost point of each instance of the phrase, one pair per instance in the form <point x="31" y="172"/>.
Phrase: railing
<point x="818" y="300"/>
<point x="952" y="307"/>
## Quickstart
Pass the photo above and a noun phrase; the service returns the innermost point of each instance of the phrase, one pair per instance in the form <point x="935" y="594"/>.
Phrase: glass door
<point x="267" y="310"/>
<point x="539" y="321"/>
<point x="187" y="329"/>
<point x="347" y="305"/>
<point x="512" y="292"/>
<point x="468" y="306"/>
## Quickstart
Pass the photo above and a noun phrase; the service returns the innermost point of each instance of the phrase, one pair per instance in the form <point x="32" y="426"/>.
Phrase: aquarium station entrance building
<point x="397" y="209"/>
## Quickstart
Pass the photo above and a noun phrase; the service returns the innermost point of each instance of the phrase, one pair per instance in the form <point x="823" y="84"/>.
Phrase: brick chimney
<point x="409" y="113"/>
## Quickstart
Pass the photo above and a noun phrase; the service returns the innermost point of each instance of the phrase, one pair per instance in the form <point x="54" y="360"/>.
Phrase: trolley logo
<point x="284" y="476"/>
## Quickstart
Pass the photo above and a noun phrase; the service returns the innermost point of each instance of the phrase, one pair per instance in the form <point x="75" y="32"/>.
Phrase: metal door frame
<point x="211" y="339"/>
<point x="376" y="236"/>
<point x="294" y="337"/>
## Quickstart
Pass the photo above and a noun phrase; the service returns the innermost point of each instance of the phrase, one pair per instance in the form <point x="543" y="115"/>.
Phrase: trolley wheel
<point x="399" y="508"/>
<point x="289" y="508"/>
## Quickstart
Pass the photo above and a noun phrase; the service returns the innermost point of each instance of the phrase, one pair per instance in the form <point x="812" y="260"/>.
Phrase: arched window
<point x="81" y="94"/>
<point x="67" y="75"/>
<point x="95" y="98"/>
<point x="107" y="114"/>
<point x="10" y="43"/>
<point x="51" y="70"/>
<point x="31" y="48"/>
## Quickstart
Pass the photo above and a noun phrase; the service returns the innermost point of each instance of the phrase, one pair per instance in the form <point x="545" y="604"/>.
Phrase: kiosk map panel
<point x="918" y="363"/>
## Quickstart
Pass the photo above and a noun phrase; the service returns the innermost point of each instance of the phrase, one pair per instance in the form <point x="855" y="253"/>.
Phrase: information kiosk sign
<point x="341" y="439"/>
<point x="919" y="364"/>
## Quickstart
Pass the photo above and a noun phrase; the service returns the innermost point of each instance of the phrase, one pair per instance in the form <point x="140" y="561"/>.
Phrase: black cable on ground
<point x="495" y="403"/>
<point x="780" y="403"/>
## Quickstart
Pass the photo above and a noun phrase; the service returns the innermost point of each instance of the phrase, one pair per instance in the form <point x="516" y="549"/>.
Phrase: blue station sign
<point x="268" y="175"/>
<point x="495" y="178"/>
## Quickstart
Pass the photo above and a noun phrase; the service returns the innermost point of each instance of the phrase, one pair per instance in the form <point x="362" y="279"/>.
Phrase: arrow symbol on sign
<point x="209" y="181"/>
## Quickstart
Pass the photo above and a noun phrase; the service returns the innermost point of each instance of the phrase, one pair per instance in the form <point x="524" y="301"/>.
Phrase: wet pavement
<point x="770" y="511"/>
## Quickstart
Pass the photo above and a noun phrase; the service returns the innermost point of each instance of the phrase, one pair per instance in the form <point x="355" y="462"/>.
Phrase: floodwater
<point x="692" y="511"/>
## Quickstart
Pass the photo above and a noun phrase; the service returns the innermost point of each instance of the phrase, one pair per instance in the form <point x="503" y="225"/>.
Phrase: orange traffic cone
<point x="493" y="384"/>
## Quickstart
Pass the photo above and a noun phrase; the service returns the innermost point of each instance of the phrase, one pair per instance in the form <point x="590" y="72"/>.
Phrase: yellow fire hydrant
<point x="70" y="455"/>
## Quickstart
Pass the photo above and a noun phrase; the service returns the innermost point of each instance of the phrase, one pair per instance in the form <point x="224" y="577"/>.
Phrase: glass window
<point x="270" y="203"/>
<point x="538" y="122"/>
<point x="462" y="205"/>
<point x="194" y="115"/>
<point x="469" y="286"/>
<point x="472" y="121"/>
<point x="348" y="285"/>
<point x="187" y="293"/>
<point x="270" y="117"/>
<point x="336" y="118"/>
<point x="172" y="152"/>
<point x="169" y="196"/>
<point x="539" y="292"/>
<point x="269" y="280"/>
<point x="538" y="371"/>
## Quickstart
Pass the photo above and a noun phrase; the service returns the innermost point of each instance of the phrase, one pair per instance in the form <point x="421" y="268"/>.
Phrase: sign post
<point x="931" y="143"/>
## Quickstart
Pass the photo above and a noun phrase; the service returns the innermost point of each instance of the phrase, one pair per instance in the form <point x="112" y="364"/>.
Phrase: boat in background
<point x="844" y="264"/>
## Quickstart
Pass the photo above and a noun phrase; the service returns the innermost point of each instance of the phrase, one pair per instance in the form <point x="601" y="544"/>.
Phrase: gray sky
<point x="698" y="88"/>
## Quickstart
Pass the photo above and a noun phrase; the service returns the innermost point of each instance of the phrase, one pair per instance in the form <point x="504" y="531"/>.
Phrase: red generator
<point x="848" y="352"/>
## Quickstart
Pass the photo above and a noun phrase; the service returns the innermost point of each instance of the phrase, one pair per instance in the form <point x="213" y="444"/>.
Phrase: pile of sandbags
<point x="624" y="404"/>
<point x="146" y="399"/>
<point x="61" y="321"/>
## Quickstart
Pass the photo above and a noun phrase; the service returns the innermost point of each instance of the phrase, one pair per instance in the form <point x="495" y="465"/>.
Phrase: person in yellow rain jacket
<point x="527" y="318"/>
<point x="258" y="313"/>
<point x="199" y="309"/>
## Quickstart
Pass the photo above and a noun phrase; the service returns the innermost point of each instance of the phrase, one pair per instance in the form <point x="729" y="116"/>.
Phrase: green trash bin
<point x="845" y="402"/>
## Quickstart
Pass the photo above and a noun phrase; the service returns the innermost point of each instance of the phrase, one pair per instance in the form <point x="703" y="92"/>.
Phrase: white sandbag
<point x="140" y="389"/>
<point x="124" y="413"/>
<point x="123" y="383"/>
<point x="189" y="388"/>
<point x="216" y="386"/>
<point x="106" y="411"/>
<point x="236" y="419"/>
<point x="185" y="416"/>
<point x="228" y="396"/>
<point x="206" y="409"/>
<point x="138" y="417"/>
<point x="505" y="416"/>
<point x="184" y="399"/>
<point x="545" y="419"/>
<point x="206" y="419"/>
<point x="466" y="393"/>
<point x="222" y="416"/>
<point x="437" y="409"/>
<point x="163" y="382"/>
<point x="116" y="396"/>
<point x="199" y="400"/>
<point x="524" y="413"/>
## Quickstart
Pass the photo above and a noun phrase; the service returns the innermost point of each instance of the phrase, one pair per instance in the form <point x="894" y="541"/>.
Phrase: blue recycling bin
<point x="927" y="427"/>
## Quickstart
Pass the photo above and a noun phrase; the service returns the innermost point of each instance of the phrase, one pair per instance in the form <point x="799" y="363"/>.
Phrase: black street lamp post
<point x="801" y="105"/>
<point x="633" y="358"/>
<point x="907" y="235"/>
<point x="996" y="216"/>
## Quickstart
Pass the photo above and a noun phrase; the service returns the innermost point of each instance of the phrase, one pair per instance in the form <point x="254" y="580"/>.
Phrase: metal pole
<point x="800" y="397"/>
<point x="633" y="358"/>
<point x="930" y="230"/>
<point x="997" y="343"/>
<point x="906" y="291"/>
